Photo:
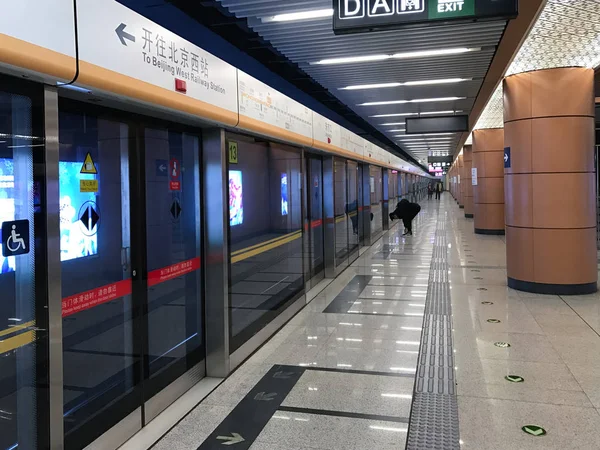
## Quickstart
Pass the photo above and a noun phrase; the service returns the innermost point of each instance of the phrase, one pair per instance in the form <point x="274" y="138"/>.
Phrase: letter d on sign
<point x="352" y="9"/>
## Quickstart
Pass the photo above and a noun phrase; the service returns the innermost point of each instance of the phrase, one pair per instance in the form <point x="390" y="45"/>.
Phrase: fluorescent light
<point x="391" y="124"/>
<point x="407" y="83"/>
<point x="430" y="134"/>
<point x="433" y="82"/>
<point x="353" y="59"/>
<point x="430" y="113"/>
<point x="396" y="115"/>
<point x="438" y="52"/>
<point x="418" y="100"/>
<point x="395" y="131"/>
<point x="369" y="86"/>
<point x="403" y="55"/>
<point x="302" y="15"/>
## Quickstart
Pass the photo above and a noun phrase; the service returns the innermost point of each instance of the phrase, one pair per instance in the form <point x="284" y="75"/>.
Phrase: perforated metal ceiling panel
<point x="566" y="34"/>
<point x="305" y="42"/>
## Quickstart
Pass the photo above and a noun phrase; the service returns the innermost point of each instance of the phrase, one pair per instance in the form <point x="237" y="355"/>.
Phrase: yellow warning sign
<point x="88" y="165"/>
<point x="88" y="186"/>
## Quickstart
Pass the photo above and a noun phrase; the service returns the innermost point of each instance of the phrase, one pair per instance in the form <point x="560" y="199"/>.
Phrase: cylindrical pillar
<point x="488" y="187"/>
<point x="461" y="181"/>
<point x="468" y="189"/>
<point x="550" y="190"/>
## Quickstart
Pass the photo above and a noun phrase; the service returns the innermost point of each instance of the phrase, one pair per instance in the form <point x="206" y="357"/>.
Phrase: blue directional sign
<point x="507" y="157"/>
<point x="15" y="238"/>
<point x="162" y="167"/>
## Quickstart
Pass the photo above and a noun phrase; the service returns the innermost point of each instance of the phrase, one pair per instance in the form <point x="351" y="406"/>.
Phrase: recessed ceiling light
<point x="395" y="131"/>
<point x="391" y="124"/>
<point x="301" y="15"/>
<point x="427" y="134"/>
<point x="417" y="114"/>
<point x="407" y="83"/>
<point x="417" y="100"/>
<point x="404" y="55"/>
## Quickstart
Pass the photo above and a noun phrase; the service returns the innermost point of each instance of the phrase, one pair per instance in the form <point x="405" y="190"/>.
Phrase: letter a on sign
<point x="381" y="8"/>
<point x="88" y="165"/>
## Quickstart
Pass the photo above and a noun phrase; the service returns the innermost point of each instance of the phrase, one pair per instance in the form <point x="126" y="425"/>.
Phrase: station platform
<point x="418" y="344"/>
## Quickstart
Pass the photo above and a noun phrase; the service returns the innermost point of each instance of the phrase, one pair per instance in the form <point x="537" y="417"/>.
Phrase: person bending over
<point x="406" y="211"/>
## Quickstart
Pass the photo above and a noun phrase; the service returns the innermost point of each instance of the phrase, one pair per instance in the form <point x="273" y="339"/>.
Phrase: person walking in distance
<point x="430" y="191"/>
<point x="406" y="211"/>
<point x="438" y="191"/>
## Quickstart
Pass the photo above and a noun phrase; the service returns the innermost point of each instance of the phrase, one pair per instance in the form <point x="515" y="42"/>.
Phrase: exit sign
<point x="356" y="16"/>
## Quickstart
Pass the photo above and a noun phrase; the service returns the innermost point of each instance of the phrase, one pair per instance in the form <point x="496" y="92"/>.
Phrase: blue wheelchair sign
<point x="15" y="238"/>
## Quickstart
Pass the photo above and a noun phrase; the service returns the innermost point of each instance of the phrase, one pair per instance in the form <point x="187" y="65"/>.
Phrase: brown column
<point x="550" y="187"/>
<point x="488" y="193"/>
<point x="468" y="189"/>
<point x="461" y="181"/>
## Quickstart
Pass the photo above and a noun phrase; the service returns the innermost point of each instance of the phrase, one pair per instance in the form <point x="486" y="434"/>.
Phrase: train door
<point x="314" y="183"/>
<point x="130" y="258"/>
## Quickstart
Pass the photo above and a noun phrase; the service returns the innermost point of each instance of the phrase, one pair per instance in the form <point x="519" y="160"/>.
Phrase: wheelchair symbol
<point x="15" y="238"/>
<point x="15" y="242"/>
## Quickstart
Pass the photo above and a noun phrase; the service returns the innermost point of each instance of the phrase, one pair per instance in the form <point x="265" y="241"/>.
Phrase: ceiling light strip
<point x="406" y="83"/>
<point x="403" y="55"/>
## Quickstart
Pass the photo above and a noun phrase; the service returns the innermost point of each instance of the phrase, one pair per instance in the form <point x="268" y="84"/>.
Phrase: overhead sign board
<point x="447" y="160"/>
<point x="355" y="16"/>
<point x="261" y="102"/>
<point x="442" y="124"/>
<point x="114" y="37"/>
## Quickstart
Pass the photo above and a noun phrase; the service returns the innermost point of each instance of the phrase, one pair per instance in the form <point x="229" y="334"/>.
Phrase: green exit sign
<point x="446" y="9"/>
<point x="363" y="16"/>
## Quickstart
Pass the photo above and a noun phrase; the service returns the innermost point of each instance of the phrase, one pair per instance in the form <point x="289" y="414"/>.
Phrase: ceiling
<point x="305" y="42"/>
<point x="566" y="34"/>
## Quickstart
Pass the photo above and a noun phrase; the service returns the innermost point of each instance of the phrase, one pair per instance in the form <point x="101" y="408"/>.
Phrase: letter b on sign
<point x="351" y="9"/>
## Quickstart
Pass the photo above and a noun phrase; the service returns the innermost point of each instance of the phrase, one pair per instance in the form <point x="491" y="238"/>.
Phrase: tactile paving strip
<point x="434" y="413"/>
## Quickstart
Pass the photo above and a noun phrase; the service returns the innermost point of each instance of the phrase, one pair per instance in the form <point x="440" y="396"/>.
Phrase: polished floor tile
<point x="490" y="424"/>
<point x="194" y="428"/>
<point x="360" y="361"/>
<point x="355" y="393"/>
<point x="297" y="430"/>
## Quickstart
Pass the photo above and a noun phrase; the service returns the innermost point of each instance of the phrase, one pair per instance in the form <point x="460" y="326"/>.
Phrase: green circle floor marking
<point x="534" y="430"/>
<point x="514" y="378"/>
<point x="502" y="344"/>
<point x="493" y="321"/>
<point x="487" y="303"/>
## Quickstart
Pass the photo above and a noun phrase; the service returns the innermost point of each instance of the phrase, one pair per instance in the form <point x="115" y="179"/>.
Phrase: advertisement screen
<point x="284" y="195"/>
<point x="7" y="206"/>
<point x="236" y="200"/>
<point x="78" y="230"/>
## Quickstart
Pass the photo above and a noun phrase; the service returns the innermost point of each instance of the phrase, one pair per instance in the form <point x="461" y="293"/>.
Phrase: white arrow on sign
<point x="505" y="157"/>
<point x="235" y="438"/>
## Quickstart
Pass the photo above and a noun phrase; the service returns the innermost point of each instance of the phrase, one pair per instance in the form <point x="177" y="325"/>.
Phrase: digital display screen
<point x="7" y="206"/>
<point x="284" y="195"/>
<point x="78" y="223"/>
<point x="236" y="199"/>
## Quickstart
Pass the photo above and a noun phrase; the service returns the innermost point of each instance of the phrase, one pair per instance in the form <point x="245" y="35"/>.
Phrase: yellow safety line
<point x="252" y="247"/>
<point x="17" y="328"/>
<point x="260" y="250"/>
<point x="17" y="341"/>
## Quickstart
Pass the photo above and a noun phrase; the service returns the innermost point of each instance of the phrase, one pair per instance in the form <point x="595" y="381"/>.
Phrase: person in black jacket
<point x="406" y="211"/>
